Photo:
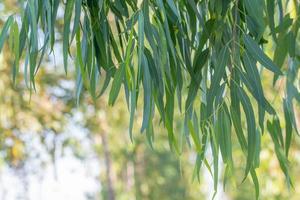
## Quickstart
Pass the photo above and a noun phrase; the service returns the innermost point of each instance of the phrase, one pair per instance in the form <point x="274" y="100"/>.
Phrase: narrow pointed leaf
<point x="258" y="54"/>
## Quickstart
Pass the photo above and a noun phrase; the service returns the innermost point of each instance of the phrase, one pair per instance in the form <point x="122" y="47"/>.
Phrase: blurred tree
<point x="22" y="112"/>
<point x="134" y="170"/>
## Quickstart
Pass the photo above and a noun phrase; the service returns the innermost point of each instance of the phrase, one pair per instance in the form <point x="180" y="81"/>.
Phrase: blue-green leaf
<point x="258" y="54"/>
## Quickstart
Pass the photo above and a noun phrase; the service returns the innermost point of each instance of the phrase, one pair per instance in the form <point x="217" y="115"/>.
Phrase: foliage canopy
<point x="205" y="58"/>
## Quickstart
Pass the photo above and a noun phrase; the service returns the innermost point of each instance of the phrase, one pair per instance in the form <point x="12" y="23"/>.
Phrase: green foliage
<point x="208" y="52"/>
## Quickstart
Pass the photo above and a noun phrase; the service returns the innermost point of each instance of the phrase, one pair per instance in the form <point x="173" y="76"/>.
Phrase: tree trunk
<point x="107" y="160"/>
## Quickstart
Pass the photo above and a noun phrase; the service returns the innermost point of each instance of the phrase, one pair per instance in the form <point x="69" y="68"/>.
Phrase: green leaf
<point x="147" y="84"/>
<point x="281" y="50"/>
<point x="172" y="48"/>
<point x="140" y="43"/>
<point x="130" y="80"/>
<point x="283" y="161"/>
<point x="251" y="128"/>
<point x="258" y="54"/>
<point x="66" y="34"/>
<point x="33" y="50"/>
<point x="173" y="7"/>
<point x="257" y="149"/>
<point x="215" y="152"/>
<point x="196" y="75"/>
<point x="133" y="100"/>
<point x="288" y="127"/>
<point x="169" y="118"/>
<point x="195" y="137"/>
<point x="256" y="183"/>
<point x="16" y="49"/>
<point x="252" y="80"/>
<point x="116" y="84"/>
<point x="291" y="44"/>
<point x="271" y="13"/>
<point x="76" y="21"/>
<point x="284" y="25"/>
<point x="55" y="6"/>
<point x="223" y="129"/>
<point x="219" y="71"/>
<point x="255" y="13"/>
<point x="201" y="155"/>
<point x="4" y="31"/>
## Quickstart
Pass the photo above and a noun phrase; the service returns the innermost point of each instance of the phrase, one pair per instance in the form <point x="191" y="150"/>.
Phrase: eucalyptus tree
<point x="204" y="59"/>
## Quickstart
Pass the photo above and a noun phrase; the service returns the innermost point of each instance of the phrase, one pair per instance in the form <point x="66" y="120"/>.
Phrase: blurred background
<point x="53" y="148"/>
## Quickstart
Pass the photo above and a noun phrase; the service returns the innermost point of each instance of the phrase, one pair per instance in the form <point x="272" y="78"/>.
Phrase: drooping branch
<point x="210" y="55"/>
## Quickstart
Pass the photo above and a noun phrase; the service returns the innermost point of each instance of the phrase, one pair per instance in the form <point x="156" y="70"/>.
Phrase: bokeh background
<point x="52" y="147"/>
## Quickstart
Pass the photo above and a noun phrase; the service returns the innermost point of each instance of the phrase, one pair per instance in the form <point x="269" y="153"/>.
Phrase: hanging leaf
<point x="258" y="54"/>
<point x="116" y="85"/>
<point x="4" y="31"/>
<point x="67" y="21"/>
<point x="251" y="128"/>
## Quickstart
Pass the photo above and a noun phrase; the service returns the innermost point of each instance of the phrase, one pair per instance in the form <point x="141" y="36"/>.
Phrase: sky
<point x="41" y="179"/>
